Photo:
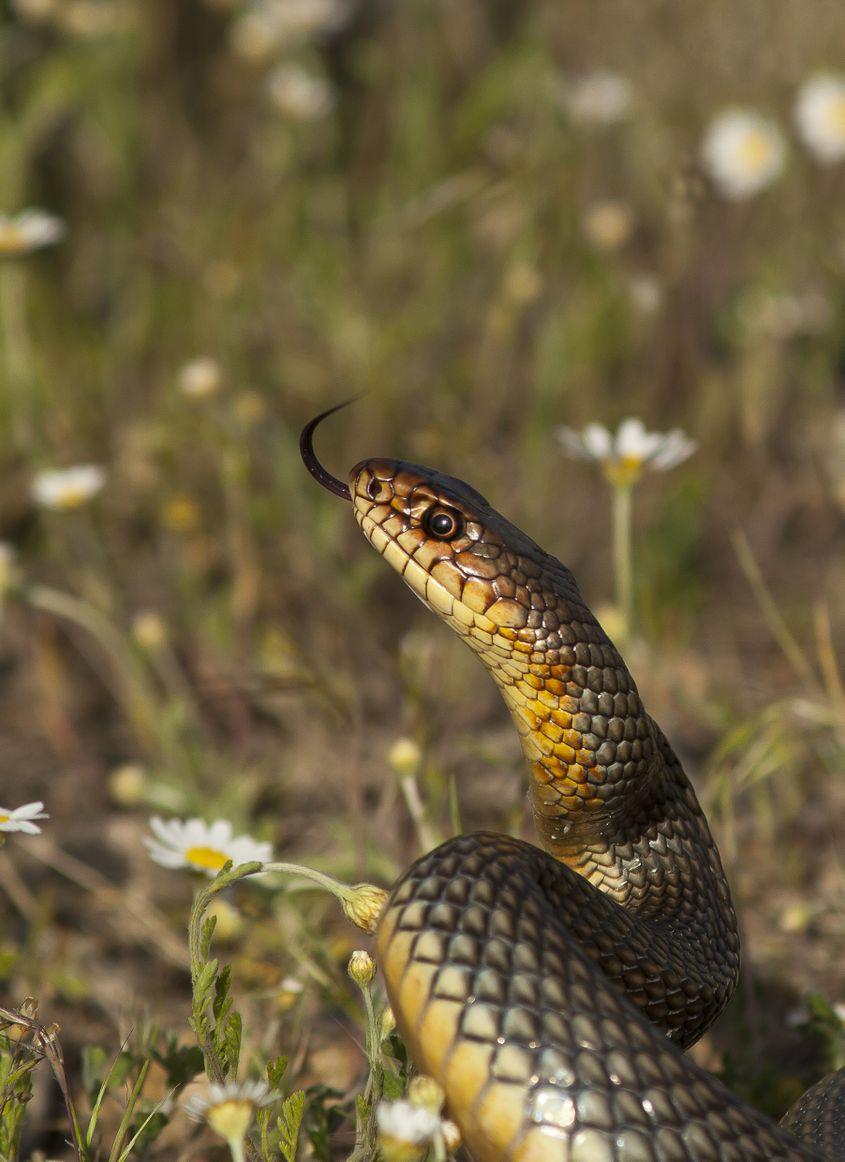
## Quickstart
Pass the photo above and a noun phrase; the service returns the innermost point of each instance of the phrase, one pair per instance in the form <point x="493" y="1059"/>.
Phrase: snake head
<point x="458" y="555"/>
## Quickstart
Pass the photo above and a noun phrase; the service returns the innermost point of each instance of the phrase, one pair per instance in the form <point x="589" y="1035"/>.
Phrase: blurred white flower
<point x="299" y="94"/>
<point x="201" y="846"/>
<point x="149" y="630"/>
<point x="645" y="293"/>
<point x="298" y="20"/>
<point x="66" y="488"/>
<point x="608" y="225"/>
<point x="254" y="37"/>
<point x="290" y="990"/>
<point x="229" y="1109"/>
<point x="623" y="456"/>
<point x="20" y="818"/>
<point x="201" y="377"/>
<point x="743" y="153"/>
<point x="37" y="11"/>
<point x="783" y="316"/>
<point x="820" y="116"/>
<point x="30" y="230"/>
<point x="89" y="19"/>
<point x="599" y="98"/>
<point x="402" y="1125"/>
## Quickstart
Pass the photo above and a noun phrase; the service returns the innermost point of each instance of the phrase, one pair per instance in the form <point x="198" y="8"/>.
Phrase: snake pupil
<point x="443" y="524"/>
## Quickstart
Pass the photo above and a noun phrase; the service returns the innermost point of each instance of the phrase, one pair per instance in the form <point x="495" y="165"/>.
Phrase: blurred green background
<point x="423" y="202"/>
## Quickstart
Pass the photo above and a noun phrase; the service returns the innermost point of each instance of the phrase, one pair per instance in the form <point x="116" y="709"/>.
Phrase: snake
<point x="552" y="990"/>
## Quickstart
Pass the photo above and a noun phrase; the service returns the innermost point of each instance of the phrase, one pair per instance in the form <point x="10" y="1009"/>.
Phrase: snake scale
<point x="551" y="992"/>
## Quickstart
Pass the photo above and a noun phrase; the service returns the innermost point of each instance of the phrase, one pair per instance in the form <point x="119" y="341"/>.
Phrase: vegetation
<point x="494" y="220"/>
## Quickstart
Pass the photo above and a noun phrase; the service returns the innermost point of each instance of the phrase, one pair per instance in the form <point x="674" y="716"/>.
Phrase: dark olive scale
<point x="550" y="992"/>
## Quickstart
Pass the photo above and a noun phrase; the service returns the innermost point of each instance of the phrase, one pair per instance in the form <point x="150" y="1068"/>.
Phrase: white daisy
<point x="401" y="1124"/>
<point x="201" y="846"/>
<point x="743" y="153"/>
<point x="298" y="94"/>
<point x="229" y="1109"/>
<point x="30" y="230"/>
<point x="599" y="98"/>
<point x="623" y="456"/>
<point x="820" y="116"/>
<point x="20" y="818"/>
<point x="66" y="488"/>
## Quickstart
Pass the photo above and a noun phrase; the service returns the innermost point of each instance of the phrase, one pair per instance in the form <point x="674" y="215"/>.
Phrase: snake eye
<point x="443" y="523"/>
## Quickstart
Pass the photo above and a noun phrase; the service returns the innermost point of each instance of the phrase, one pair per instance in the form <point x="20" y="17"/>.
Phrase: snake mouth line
<point x="426" y="588"/>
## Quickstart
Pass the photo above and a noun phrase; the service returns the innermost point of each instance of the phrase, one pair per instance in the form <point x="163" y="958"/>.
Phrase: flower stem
<point x="622" y="557"/>
<point x="139" y="706"/>
<point x="17" y="352"/>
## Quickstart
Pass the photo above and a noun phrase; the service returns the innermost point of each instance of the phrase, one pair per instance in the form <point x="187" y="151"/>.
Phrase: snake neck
<point x="584" y="732"/>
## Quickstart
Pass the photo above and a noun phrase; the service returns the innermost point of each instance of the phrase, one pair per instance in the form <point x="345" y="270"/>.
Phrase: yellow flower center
<point x="836" y="115"/>
<point x="230" y="1119"/>
<point x="756" y="150"/>
<point x="71" y="498"/>
<point x="4" y="818"/>
<point x="11" y="240"/>
<point x="623" y="472"/>
<point x="206" y="857"/>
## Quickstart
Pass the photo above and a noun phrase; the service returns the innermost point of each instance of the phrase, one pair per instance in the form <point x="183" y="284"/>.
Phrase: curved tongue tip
<point x="309" y="457"/>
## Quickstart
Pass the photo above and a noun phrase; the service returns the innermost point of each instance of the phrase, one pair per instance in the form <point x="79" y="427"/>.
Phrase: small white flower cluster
<point x="30" y="230"/>
<point x="599" y="98"/>
<point x="743" y="152"/>
<point x="406" y="1129"/>
<point x="200" y="846"/>
<point x="623" y="456"/>
<point x="299" y="94"/>
<point x="269" y="27"/>
<point x="62" y="489"/>
<point x="201" y="377"/>
<point x="21" y="818"/>
<point x="270" y="31"/>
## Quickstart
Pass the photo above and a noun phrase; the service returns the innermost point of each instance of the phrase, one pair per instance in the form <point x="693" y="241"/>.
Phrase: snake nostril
<point x="373" y="488"/>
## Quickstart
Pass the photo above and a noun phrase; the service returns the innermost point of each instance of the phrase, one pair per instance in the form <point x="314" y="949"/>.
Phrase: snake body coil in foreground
<point x="551" y="992"/>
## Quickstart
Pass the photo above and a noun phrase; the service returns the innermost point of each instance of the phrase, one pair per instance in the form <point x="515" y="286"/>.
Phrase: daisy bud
<point x="451" y="1136"/>
<point x="201" y="378"/>
<point x="363" y="904"/>
<point x="425" y="1093"/>
<point x="149" y="630"/>
<point x="405" y="756"/>
<point x="361" y="968"/>
<point x="388" y="1023"/>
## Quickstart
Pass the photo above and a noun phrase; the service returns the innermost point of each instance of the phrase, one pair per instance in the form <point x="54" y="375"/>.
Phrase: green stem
<point x="331" y="885"/>
<point x="17" y="353"/>
<point x="622" y="558"/>
<point x="416" y="809"/>
<point x="139" y="706"/>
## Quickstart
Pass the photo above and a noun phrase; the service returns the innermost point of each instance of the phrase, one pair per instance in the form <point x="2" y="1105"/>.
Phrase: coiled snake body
<point x="551" y="992"/>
